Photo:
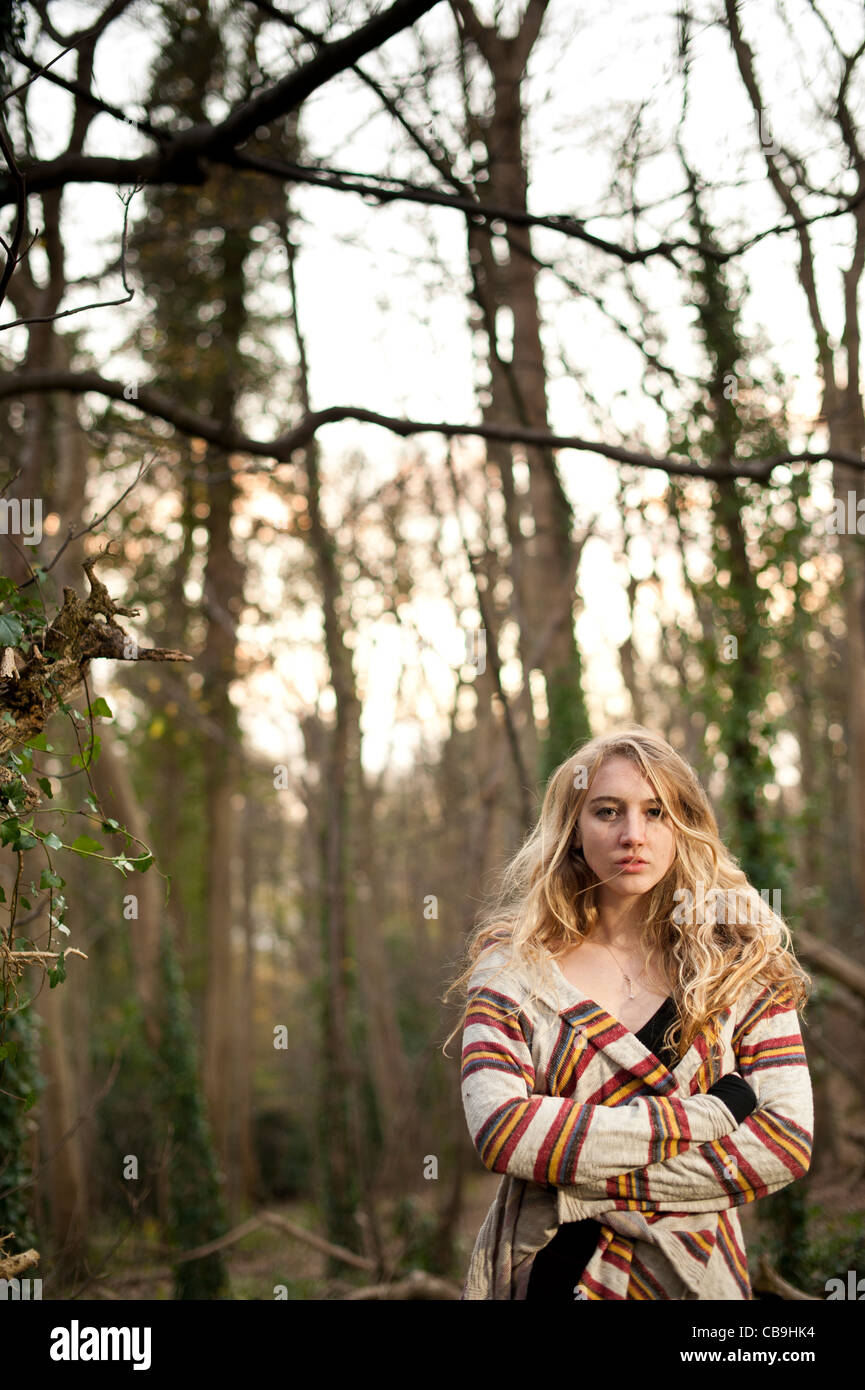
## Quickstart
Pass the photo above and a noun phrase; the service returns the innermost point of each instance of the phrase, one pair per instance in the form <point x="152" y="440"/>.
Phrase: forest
<point x="416" y="389"/>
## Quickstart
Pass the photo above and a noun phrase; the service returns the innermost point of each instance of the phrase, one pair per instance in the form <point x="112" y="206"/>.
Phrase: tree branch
<point x="21" y="213"/>
<point x="183" y="159"/>
<point x="126" y="199"/>
<point x="280" y="450"/>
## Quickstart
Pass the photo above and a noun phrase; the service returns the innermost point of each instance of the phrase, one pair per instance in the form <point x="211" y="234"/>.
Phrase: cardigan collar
<point x="607" y="1034"/>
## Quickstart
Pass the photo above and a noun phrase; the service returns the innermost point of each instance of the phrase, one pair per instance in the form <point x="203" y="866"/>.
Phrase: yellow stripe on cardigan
<point x="717" y="1147"/>
<point x="474" y="1057"/>
<point x="632" y="1085"/>
<point x="558" y="1151"/>
<point x="639" y="1289"/>
<point x="726" y="1241"/>
<point x="496" y="1143"/>
<point x="758" y="1053"/>
<point x="672" y="1139"/>
<point x="794" y="1147"/>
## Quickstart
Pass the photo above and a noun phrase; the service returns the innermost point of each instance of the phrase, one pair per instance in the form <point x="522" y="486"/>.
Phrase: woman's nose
<point x="634" y="831"/>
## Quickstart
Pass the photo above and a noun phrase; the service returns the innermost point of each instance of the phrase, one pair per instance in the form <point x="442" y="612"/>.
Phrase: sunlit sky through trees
<point x="382" y="294"/>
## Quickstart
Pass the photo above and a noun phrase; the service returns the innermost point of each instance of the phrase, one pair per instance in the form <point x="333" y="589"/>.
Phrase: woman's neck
<point x="619" y="925"/>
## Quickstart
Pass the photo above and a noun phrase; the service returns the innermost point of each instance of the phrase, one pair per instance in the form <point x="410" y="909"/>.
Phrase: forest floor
<point x="268" y="1263"/>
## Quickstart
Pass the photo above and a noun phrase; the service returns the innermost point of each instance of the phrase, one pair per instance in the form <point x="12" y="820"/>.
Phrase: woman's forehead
<point x="621" y="773"/>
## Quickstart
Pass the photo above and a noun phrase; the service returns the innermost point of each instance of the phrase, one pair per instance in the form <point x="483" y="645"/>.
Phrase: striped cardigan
<point x="582" y="1120"/>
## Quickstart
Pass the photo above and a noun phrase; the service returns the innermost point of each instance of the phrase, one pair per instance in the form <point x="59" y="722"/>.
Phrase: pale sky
<point x="379" y="336"/>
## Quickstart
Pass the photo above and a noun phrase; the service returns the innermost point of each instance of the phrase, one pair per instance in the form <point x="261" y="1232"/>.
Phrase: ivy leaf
<point x="9" y="830"/>
<point x="51" y="841"/>
<point x="142" y="863"/>
<point x="11" y="630"/>
<point x="57" y="973"/>
<point x="45" y="784"/>
<point x="8" y="1049"/>
<point x="13" y="787"/>
<point x="110" y="824"/>
<point x="51" y="880"/>
<point x="26" y="901"/>
<point x="101" y="707"/>
<point x="29" y="1101"/>
<point x="86" y="844"/>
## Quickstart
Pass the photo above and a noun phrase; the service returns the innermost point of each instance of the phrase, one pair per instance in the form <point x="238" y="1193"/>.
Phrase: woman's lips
<point x="629" y="866"/>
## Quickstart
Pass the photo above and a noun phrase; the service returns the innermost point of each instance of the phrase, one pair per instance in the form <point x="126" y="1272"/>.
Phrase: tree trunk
<point x="60" y="1105"/>
<point x="544" y="562"/>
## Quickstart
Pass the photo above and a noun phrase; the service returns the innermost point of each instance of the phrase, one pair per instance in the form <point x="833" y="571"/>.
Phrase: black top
<point x="557" y="1268"/>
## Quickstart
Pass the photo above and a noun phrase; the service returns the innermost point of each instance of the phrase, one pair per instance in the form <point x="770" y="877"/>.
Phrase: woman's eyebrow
<point x="645" y="802"/>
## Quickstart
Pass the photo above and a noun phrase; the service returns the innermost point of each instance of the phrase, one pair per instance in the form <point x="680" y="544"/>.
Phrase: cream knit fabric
<point x="582" y="1120"/>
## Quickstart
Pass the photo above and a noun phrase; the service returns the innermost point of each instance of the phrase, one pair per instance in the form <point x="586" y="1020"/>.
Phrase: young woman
<point x="632" y="1058"/>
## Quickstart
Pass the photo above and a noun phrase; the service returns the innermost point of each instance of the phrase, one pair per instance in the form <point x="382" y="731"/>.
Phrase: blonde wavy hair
<point x="547" y="900"/>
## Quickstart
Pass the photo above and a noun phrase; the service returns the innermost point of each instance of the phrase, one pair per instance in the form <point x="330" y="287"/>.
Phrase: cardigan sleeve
<point x="770" y="1149"/>
<point x="558" y="1140"/>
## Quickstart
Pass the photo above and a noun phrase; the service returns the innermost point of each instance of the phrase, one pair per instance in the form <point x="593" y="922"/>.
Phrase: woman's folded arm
<point x="768" y="1150"/>
<point x="558" y="1140"/>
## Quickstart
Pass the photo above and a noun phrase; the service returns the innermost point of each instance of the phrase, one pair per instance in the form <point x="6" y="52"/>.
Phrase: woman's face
<point x="622" y="820"/>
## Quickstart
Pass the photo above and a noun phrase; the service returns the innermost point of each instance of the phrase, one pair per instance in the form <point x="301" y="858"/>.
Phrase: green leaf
<point x="51" y="880"/>
<point x="9" y="830"/>
<point x="40" y="742"/>
<point x="86" y="844"/>
<point x="11" y="630"/>
<point x="52" y="841"/>
<point x="57" y="973"/>
<point x="142" y="863"/>
<point x="111" y="824"/>
<point x="29" y="1101"/>
<point x="8" y="1049"/>
<point x="45" y="784"/>
<point x="100" y="706"/>
<point x="25" y="841"/>
<point x="12" y="789"/>
<point x="26" y="901"/>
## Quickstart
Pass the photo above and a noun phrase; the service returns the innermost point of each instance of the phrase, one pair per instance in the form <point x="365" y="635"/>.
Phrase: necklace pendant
<point x="631" y="994"/>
